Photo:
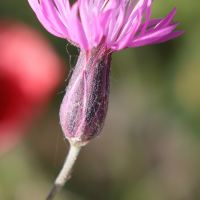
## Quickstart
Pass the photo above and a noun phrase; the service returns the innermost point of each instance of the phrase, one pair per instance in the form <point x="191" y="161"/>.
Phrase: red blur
<point x="30" y="72"/>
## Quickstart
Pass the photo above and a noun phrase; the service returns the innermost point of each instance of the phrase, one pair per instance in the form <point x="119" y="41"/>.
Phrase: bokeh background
<point x="149" y="148"/>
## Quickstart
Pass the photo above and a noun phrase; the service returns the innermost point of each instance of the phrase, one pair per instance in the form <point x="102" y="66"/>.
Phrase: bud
<point x="84" y="107"/>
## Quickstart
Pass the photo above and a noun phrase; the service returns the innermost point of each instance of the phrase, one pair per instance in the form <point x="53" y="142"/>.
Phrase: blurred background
<point x="149" y="148"/>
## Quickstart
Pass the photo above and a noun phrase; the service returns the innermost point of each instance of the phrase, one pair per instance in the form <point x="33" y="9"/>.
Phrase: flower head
<point x="86" y="22"/>
<point x="97" y="27"/>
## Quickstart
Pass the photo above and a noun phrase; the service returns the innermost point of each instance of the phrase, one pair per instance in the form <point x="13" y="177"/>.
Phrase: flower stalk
<point x="65" y="172"/>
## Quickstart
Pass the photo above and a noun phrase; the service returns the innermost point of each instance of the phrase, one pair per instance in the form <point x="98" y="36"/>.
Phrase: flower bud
<point x="84" y="107"/>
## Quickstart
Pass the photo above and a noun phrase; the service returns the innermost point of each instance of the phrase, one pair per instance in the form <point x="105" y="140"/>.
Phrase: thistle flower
<point x="98" y="28"/>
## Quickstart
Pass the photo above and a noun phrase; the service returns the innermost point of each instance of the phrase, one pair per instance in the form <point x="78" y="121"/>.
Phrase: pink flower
<point x="98" y="28"/>
<point x="30" y="72"/>
<point x="86" y="22"/>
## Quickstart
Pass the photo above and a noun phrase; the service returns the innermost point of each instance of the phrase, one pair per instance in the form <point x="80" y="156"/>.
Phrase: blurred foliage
<point x="149" y="148"/>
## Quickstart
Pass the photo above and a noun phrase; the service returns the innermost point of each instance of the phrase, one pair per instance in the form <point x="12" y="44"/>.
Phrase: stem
<point x="65" y="172"/>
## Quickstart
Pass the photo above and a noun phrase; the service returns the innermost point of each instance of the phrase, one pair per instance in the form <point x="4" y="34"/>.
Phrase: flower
<point x="98" y="28"/>
<point x="30" y="71"/>
<point x="119" y="21"/>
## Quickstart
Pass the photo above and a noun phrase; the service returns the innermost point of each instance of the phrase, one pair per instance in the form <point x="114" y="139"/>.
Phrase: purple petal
<point x="151" y="23"/>
<point x="130" y="8"/>
<point x="45" y="22"/>
<point x="129" y="23"/>
<point x="119" y="22"/>
<point x="166" y="21"/>
<point x="111" y="26"/>
<point x="63" y="9"/>
<point x="152" y="37"/>
<point x="110" y="5"/>
<point x="97" y="31"/>
<point x="125" y="40"/>
<point x="51" y="13"/>
<point x="104" y="19"/>
<point x="169" y="37"/>
<point x="85" y="19"/>
<point x="33" y="5"/>
<point x="76" y="31"/>
<point x="148" y="14"/>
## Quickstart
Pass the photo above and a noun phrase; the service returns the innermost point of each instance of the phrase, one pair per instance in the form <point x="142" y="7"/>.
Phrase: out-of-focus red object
<point x="30" y="71"/>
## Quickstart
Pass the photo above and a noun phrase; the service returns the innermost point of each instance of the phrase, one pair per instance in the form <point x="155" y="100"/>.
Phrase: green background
<point x="149" y="148"/>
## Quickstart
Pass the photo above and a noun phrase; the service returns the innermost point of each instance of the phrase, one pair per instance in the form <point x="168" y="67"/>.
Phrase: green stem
<point x="65" y="172"/>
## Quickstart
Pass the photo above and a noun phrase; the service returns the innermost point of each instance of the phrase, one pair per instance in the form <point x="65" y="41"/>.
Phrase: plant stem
<point x="65" y="172"/>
